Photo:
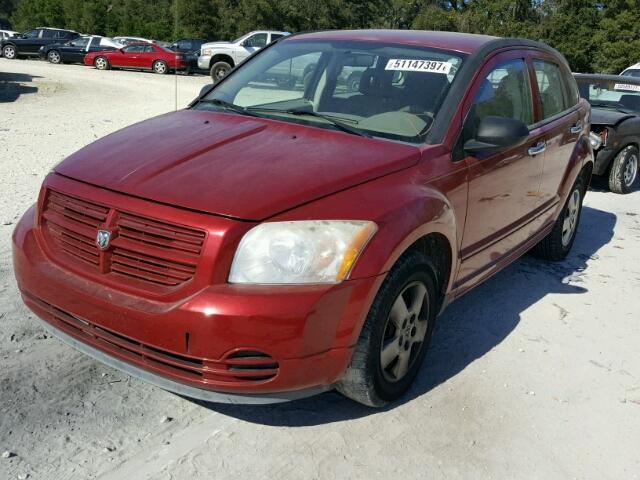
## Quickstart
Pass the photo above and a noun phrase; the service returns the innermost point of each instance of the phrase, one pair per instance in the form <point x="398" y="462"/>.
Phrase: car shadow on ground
<point x="466" y="331"/>
<point x="12" y="85"/>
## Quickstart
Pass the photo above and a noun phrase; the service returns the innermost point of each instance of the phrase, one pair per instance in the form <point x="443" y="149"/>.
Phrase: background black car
<point x="190" y="47"/>
<point x="74" y="51"/>
<point x="29" y="43"/>
<point x="615" y="126"/>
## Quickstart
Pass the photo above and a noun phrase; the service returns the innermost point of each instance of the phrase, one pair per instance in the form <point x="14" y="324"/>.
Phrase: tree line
<point x="595" y="36"/>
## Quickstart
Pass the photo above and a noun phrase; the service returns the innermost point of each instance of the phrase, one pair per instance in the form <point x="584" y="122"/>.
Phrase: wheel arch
<point x="222" y="57"/>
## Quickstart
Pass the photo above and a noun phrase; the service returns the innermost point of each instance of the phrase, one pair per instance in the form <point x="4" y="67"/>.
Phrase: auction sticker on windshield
<point x="408" y="65"/>
<point x="624" y="86"/>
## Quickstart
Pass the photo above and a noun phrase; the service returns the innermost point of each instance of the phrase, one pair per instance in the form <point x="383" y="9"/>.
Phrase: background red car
<point x="142" y="56"/>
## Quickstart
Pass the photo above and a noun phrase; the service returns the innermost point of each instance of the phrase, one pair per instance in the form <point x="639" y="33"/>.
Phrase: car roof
<point x="608" y="78"/>
<point x="460" y="42"/>
<point x="53" y="28"/>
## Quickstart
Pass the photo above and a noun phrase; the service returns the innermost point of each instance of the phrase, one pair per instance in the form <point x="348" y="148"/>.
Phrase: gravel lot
<point x="536" y="374"/>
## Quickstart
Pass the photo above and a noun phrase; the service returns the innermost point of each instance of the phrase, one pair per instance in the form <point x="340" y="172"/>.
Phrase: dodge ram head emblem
<point x="102" y="239"/>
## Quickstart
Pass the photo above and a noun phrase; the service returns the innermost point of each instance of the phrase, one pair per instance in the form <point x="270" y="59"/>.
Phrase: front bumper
<point x="204" y="62"/>
<point x="603" y="158"/>
<point x="189" y="344"/>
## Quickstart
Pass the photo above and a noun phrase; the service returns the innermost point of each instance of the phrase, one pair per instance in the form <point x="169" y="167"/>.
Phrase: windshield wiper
<point x="228" y="106"/>
<point x="306" y="111"/>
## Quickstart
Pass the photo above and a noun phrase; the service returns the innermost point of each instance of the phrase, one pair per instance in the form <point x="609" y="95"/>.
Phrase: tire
<point x="219" y="70"/>
<point x="160" y="67"/>
<point x="10" y="52"/>
<point x="54" y="57"/>
<point x="557" y="244"/>
<point x="624" y="170"/>
<point x="371" y="379"/>
<point x="101" y="63"/>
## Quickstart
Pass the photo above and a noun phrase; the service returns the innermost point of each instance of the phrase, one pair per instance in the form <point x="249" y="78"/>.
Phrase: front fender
<point x="405" y="206"/>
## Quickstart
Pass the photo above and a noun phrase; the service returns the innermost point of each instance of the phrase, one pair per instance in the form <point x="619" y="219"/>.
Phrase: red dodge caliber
<point x="281" y="238"/>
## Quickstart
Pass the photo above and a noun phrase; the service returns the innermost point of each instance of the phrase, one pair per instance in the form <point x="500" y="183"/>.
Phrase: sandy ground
<point x="536" y="374"/>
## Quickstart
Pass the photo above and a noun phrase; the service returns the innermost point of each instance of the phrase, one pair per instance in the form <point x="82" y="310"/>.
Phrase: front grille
<point x="240" y="367"/>
<point x="144" y="250"/>
<point x="72" y="224"/>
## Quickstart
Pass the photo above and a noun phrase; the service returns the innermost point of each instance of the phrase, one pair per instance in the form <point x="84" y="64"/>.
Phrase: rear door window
<point x="553" y="97"/>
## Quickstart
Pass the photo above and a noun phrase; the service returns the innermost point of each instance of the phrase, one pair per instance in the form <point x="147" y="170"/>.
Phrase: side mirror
<point x="205" y="89"/>
<point x="497" y="133"/>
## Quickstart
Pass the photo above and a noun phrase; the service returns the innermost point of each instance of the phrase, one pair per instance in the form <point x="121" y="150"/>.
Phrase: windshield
<point x="613" y="94"/>
<point x="374" y="89"/>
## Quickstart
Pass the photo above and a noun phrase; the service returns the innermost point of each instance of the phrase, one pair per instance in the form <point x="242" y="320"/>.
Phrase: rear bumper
<point x="188" y="345"/>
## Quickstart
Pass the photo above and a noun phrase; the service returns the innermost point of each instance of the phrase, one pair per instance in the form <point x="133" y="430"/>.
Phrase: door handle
<point x="537" y="148"/>
<point x="576" y="128"/>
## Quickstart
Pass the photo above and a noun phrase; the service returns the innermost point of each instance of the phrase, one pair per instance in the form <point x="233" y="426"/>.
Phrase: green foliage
<point x="594" y="35"/>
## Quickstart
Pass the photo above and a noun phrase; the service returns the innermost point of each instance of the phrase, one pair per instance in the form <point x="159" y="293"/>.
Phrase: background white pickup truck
<point x="220" y="57"/>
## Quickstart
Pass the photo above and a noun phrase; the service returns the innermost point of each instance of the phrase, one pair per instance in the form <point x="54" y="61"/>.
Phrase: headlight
<point x="207" y="51"/>
<point x="322" y="251"/>
<point x="595" y="140"/>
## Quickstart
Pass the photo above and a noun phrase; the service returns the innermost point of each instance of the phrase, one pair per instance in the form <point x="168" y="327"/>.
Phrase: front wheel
<point x="160" y="67"/>
<point x="9" y="52"/>
<point x="557" y="244"/>
<point x="624" y="170"/>
<point x="54" y="57"/>
<point x="395" y="336"/>
<point x="219" y="70"/>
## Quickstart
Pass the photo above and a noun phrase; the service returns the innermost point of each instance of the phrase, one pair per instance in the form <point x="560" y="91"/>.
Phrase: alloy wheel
<point x="9" y="52"/>
<point x="631" y="170"/>
<point x="571" y="217"/>
<point x="160" y="67"/>
<point x="101" y="63"/>
<point x="220" y="72"/>
<point x="404" y="332"/>
<point x="54" y="57"/>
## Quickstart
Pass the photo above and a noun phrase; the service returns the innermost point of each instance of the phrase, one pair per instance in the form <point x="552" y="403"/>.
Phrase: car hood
<point x="604" y="116"/>
<point x="216" y="44"/>
<point x="233" y="165"/>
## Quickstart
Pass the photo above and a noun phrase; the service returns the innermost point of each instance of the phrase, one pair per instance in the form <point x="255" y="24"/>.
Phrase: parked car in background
<point x="4" y="35"/>
<point x="74" y="51"/>
<point x="632" y="71"/>
<point x="190" y="48"/>
<point x="615" y="126"/>
<point x="129" y="40"/>
<point x="29" y="43"/>
<point x="139" y="56"/>
<point x="218" y="58"/>
<point x="266" y="244"/>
